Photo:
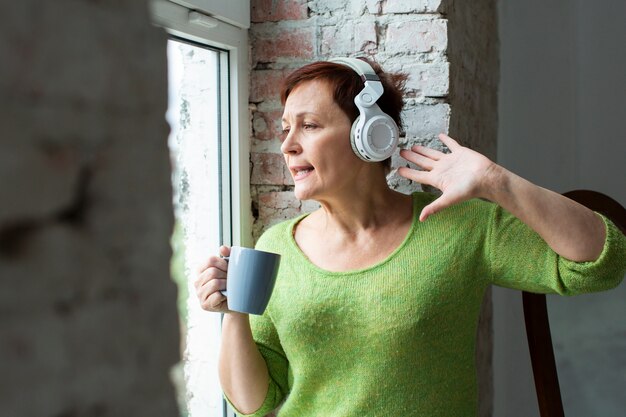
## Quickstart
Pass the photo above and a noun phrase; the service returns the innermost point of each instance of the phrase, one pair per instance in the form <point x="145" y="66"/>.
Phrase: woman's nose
<point x="290" y="145"/>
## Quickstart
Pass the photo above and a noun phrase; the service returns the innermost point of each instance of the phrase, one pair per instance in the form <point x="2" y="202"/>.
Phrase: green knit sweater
<point x="398" y="338"/>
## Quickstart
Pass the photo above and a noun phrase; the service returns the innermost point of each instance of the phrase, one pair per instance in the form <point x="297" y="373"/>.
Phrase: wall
<point x="449" y="48"/>
<point x="88" y="323"/>
<point x="474" y="76"/>
<point x="561" y="126"/>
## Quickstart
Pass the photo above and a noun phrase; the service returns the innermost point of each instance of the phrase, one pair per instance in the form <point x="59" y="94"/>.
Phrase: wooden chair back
<point x="536" y="315"/>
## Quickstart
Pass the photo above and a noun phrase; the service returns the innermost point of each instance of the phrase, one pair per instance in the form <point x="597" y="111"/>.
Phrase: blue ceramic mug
<point x="250" y="279"/>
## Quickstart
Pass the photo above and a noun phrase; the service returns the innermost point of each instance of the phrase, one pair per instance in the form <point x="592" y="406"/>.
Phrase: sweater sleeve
<point x="267" y="340"/>
<point x="521" y="259"/>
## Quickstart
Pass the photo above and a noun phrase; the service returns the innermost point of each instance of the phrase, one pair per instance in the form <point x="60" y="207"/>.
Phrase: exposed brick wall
<point x="88" y="323"/>
<point x="409" y="36"/>
<point x="449" y="49"/>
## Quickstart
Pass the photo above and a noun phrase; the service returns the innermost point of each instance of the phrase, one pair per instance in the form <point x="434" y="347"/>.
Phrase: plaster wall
<point x="562" y="127"/>
<point x="88" y="323"/>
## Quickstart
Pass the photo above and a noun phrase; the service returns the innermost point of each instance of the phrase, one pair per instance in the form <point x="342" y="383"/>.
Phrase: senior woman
<point x="376" y="305"/>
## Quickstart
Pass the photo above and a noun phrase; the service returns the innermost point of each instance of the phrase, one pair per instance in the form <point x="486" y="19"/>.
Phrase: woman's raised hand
<point x="461" y="175"/>
<point x="212" y="279"/>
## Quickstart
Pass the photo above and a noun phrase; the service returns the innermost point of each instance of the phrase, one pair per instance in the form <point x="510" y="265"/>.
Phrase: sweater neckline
<point x="294" y="246"/>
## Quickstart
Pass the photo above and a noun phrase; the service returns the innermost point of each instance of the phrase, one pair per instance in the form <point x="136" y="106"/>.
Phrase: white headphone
<point x="374" y="134"/>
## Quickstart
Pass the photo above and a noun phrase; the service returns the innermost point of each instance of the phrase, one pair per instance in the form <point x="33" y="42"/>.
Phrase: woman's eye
<point x="309" y="126"/>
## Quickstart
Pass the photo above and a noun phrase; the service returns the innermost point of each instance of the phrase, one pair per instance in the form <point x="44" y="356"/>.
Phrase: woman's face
<point x="316" y="143"/>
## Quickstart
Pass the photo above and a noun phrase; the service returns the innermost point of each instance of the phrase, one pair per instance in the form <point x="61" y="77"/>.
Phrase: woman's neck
<point x="370" y="206"/>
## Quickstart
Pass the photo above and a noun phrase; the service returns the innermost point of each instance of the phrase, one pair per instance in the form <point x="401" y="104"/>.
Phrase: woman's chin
<point x="302" y="193"/>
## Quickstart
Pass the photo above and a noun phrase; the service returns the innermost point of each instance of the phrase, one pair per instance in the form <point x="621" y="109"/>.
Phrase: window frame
<point x="174" y="18"/>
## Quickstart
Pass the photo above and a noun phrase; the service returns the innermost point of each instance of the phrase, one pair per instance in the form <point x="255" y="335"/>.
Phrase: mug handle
<point x="224" y="292"/>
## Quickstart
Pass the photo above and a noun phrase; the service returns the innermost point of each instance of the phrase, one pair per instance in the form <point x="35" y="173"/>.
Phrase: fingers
<point x="210" y="297"/>
<point x="428" y="152"/>
<point x="214" y="268"/>
<point x="428" y="211"/>
<point x="208" y="292"/>
<point x="444" y="201"/>
<point x="421" y="177"/>
<point x="224" y="251"/>
<point x="431" y="153"/>
<point x="211" y="279"/>
<point x="449" y="142"/>
<point x="418" y="159"/>
<point x="216" y="261"/>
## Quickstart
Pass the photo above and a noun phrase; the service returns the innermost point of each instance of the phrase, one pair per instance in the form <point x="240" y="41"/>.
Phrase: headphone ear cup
<point x="354" y="132"/>
<point x="385" y="135"/>
<point x="376" y="138"/>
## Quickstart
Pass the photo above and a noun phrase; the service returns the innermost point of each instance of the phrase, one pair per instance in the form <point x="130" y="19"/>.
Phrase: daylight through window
<point x="198" y="92"/>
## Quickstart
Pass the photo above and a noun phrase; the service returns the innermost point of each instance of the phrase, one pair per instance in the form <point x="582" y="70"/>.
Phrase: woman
<point x="376" y="305"/>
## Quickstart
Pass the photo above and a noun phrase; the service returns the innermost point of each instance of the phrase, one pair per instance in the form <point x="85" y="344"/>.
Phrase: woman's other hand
<point x="212" y="279"/>
<point x="461" y="175"/>
<point x="570" y="229"/>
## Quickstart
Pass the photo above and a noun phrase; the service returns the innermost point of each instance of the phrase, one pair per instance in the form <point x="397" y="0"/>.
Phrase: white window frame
<point x="234" y="12"/>
<point x="199" y="27"/>
<point x="203" y="25"/>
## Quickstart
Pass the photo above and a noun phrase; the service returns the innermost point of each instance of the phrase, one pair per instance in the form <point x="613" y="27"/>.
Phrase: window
<point x="208" y="116"/>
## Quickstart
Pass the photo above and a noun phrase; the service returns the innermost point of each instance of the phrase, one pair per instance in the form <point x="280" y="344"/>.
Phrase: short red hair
<point x="346" y="84"/>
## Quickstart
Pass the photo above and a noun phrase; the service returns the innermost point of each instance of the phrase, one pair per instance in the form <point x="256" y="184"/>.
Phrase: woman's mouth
<point x="300" y="173"/>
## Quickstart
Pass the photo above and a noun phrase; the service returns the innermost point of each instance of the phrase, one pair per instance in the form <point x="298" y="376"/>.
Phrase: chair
<point x="536" y="315"/>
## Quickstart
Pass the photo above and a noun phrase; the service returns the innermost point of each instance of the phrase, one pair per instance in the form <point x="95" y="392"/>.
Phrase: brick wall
<point x="88" y="323"/>
<point x="449" y="48"/>
<point x="409" y="36"/>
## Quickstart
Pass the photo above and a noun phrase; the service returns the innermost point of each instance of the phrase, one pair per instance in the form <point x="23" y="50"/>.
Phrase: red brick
<point x="266" y="125"/>
<point x="280" y="200"/>
<point x="276" y="10"/>
<point x="288" y="43"/>
<point x="268" y="169"/>
<point x="265" y="84"/>
<point x="278" y="205"/>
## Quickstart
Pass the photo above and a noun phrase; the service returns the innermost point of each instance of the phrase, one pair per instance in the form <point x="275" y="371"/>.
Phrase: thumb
<point x="224" y="250"/>
<point x="435" y="207"/>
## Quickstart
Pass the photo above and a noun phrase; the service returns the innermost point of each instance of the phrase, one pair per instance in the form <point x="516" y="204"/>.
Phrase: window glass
<point x="196" y="108"/>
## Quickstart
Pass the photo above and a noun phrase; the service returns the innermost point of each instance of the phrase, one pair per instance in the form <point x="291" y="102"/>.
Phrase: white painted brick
<point x="365" y="38"/>
<point x="337" y="40"/>
<point x="415" y="36"/>
<point x="328" y="6"/>
<point x="373" y="6"/>
<point x="432" y="80"/>
<point x="426" y="120"/>
<point x="411" y="6"/>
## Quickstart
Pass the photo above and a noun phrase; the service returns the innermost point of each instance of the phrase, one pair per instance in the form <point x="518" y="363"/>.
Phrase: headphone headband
<point x="362" y="68"/>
